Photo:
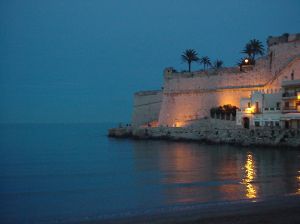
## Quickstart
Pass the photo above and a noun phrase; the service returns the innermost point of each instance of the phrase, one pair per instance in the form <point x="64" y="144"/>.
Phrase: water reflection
<point x="192" y="173"/>
<point x="184" y="174"/>
<point x="298" y="182"/>
<point x="250" y="174"/>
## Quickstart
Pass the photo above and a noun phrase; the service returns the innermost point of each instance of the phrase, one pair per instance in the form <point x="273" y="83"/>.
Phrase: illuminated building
<point x="189" y="96"/>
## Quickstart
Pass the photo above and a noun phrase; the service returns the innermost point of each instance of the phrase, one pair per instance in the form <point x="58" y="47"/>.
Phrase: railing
<point x="231" y="117"/>
<point x="290" y="108"/>
<point x="272" y="109"/>
<point x="286" y="94"/>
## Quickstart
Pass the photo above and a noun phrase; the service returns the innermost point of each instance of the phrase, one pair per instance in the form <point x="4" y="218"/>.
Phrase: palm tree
<point x="248" y="50"/>
<point x="189" y="56"/>
<point x="205" y="61"/>
<point x="257" y="47"/>
<point x="253" y="47"/>
<point x="218" y="64"/>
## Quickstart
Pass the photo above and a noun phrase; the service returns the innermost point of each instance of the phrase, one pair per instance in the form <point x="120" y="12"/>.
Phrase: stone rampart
<point x="189" y="96"/>
<point x="147" y="105"/>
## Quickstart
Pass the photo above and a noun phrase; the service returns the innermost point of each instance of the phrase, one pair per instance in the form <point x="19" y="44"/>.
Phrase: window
<point x="256" y="123"/>
<point x="277" y="123"/>
<point x="292" y="75"/>
<point x="287" y="104"/>
<point x="278" y="105"/>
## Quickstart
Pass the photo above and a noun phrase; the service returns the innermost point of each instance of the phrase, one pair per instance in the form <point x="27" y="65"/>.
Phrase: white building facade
<point x="260" y="109"/>
<point x="274" y="108"/>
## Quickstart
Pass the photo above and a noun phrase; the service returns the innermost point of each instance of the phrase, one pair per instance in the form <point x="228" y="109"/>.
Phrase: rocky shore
<point x="215" y="131"/>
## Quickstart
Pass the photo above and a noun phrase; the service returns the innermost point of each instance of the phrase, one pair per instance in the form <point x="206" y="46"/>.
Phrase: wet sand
<point x="275" y="210"/>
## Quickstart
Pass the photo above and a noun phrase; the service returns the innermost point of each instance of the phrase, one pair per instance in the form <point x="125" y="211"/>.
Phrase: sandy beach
<point x="279" y="210"/>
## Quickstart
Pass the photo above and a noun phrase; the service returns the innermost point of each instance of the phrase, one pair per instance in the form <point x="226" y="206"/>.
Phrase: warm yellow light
<point x="298" y="95"/>
<point x="179" y="124"/>
<point x="250" y="110"/>
<point x="298" y="181"/>
<point x="249" y="177"/>
<point x="246" y="61"/>
<point x="151" y="124"/>
<point x="249" y="166"/>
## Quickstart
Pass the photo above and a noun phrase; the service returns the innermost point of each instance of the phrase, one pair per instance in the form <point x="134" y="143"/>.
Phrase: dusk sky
<point x="82" y="60"/>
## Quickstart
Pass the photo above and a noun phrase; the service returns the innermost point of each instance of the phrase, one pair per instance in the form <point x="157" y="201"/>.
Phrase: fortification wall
<point x="224" y="79"/>
<point x="189" y="96"/>
<point x="178" y="108"/>
<point x="290" y="71"/>
<point x="280" y="54"/>
<point x="147" y="105"/>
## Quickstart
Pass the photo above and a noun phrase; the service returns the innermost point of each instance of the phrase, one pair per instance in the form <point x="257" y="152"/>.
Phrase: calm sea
<point x="56" y="173"/>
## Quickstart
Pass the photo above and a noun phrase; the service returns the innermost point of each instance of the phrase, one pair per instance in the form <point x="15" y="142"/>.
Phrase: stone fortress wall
<point x="190" y="96"/>
<point x="147" y="106"/>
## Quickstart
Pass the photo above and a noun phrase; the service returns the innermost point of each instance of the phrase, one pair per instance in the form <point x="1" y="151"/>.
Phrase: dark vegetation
<point x="225" y="112"/>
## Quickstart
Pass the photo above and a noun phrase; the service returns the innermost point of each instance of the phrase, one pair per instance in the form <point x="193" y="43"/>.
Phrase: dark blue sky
<point x="82" y="60"/>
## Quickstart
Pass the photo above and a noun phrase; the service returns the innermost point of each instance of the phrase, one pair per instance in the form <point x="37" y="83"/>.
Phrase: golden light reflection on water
<point x="227" y="168"/>
<point x="185" y="166"/>
<point x="298" y="182"/>
<point x="250" y="174"/>
<point x="192" y="173"/>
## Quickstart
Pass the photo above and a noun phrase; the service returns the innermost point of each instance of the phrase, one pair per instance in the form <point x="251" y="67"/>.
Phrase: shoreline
<point x="284" y="209"/>
<point x="262" y="137"/>
<point x="206" y="142"/>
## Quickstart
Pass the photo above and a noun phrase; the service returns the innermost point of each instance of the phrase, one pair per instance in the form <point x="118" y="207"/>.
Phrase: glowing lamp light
<point x="246" y="61"/>
<point x="298" y="95"/>
<point x="178" y="124"/>
<point x="250" y="110"/>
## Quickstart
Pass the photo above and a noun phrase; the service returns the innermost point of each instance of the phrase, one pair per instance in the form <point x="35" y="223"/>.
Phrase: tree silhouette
<point x="218" y="64"/>
<point x="189" y="56"/>
<point x="257" y="47"/>
<point x="248" y="50"/>
<point x="205" y="61"/>
<point x="253" y="48"/>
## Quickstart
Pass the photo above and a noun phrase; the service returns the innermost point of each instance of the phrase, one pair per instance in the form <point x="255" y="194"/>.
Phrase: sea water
<point x="59" y="173"/>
